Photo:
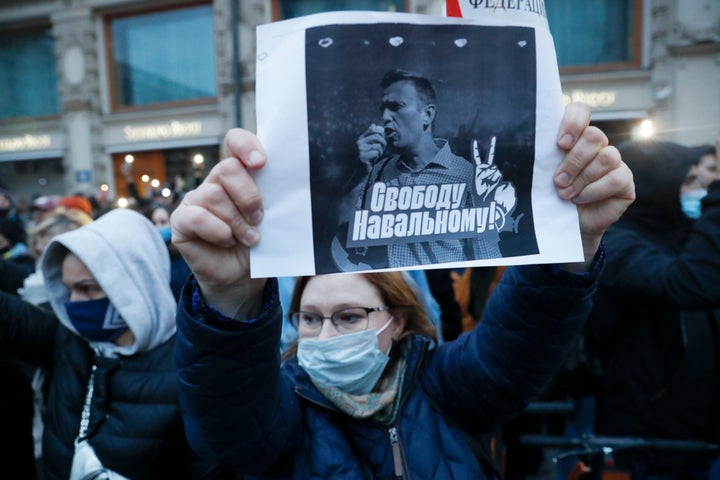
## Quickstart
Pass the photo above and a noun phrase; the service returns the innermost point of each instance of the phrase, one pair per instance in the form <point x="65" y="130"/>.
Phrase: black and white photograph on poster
<point x="406" y="141"/>
<point x="415" y="159"/>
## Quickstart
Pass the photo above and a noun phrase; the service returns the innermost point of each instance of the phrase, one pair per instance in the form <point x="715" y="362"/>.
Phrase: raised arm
<point x="532" y="316"/>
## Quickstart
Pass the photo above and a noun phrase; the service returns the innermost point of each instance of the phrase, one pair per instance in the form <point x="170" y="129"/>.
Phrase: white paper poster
<point x="401" y="141"/>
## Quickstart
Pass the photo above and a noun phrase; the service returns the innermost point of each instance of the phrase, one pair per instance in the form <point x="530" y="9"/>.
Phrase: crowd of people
<point x="134" y="344"/>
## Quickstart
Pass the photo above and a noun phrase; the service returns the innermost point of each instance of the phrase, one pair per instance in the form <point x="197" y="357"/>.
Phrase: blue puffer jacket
<point x="245" y="411"/>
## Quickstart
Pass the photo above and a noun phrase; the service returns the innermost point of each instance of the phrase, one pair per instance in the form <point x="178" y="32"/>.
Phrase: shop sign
<point x="593" y="98"/>
<point x="25" y="142"/>
<point x="174" y="129"/>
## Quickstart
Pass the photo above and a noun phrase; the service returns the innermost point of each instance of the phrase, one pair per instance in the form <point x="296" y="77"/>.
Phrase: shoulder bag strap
<point x="85" y="415"/>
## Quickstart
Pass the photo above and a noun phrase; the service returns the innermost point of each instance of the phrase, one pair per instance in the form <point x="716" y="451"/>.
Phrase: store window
<point x="158" y="172"/>
<point x="28" y="83"/>
<point x="596" y="34"/>
<point x="161" y="57"/>
<point x="33" y="178"/>
<point x="284" y="9"/>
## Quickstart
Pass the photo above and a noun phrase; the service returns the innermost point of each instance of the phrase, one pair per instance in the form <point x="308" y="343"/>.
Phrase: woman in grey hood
<point x="112" y="403"/>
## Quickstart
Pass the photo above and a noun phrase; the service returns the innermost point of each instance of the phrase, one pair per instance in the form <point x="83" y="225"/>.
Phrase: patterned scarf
<point x="383" y="402"/>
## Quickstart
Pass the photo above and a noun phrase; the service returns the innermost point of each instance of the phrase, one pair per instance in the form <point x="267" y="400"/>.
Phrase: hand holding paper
<point x="216" y="224"/>
<point x="592" y="175"/>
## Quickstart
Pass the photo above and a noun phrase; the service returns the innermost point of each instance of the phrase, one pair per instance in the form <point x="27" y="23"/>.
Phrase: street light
<point x="647" y="129"/>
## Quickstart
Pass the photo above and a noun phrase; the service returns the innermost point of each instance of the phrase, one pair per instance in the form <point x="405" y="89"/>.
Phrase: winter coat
<point x="135" y="423"/>
<point x="245" y="411"/>
<point x="655" y="321"/>
<point x="12" y="275"/>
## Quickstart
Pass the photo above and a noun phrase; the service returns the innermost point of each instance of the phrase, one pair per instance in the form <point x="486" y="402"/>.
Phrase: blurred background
<point x="89" y="85"/>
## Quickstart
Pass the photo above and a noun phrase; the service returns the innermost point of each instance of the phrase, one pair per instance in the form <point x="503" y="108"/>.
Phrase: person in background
<point x="655" y="323"/>
<point x="24" y="401"/>
<point x="16" y="401"/>
<point x="108" y="349"/>
<point x="441" y="288"/>
<point x="41" y="207"/>
<point x="367" y="394"/>
<point x="155" y="197"/>
<point x="13" y="242"/>
<point x="159" y="215"/>
<point x="24" y="278"/>
<point x="706" y="170"/>
<point x="13" y="237"/>
<point x="7" y="205"/>
<point x="77" y="202"/>
<point x="694" y="188"/>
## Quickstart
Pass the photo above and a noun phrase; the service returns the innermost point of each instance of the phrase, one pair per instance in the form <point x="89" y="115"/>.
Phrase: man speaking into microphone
<point x="418" y="189"/>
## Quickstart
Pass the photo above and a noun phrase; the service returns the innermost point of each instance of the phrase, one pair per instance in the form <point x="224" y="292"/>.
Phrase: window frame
<point x="107" y="33"/>
<point x="275" y="7"/>
<point x="634" y="62"/>
<point x="31" y="28"/>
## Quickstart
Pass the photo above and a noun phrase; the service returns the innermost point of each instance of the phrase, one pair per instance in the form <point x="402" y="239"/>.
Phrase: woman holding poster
<point x="366" y="393"/>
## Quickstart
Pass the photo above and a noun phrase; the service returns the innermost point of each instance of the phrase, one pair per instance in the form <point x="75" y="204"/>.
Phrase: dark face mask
<point x="96" y="320"/>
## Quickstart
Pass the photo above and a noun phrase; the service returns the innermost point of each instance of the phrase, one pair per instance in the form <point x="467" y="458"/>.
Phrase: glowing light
<point x="129" y="159"/>
<point x="198" y="159"/>
<point x="166" y="192"/>
<point x="647" y="129"/>
<point x="145" y="178"/>
<point x="155" y="183"/>
<point x="122" y="202"/>
<point x="104" y="187"/>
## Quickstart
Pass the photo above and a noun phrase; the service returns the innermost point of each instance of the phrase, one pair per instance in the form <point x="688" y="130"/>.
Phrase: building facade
<point x="87" y="86"/>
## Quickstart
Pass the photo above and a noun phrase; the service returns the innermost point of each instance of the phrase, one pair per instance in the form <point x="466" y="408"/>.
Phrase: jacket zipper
<point x="397" y="455"/>
<point x="399" y="460"/>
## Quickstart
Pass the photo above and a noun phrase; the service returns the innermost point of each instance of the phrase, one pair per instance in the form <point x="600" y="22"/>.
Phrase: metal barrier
<point x="599" y="449"/>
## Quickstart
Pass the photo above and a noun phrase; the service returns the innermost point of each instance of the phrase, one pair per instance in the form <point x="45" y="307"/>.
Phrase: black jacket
<point x="135" y="426"/>
<point x="655" y="321"/>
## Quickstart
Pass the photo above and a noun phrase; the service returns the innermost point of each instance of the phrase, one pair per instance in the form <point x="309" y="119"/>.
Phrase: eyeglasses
<point x="346" y="320"/>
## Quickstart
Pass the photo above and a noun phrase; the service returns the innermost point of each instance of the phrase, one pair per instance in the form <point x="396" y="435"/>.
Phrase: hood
<point x="130" y="261"/>
<point x="659" y="169"/>
<point x="9" y="210"/>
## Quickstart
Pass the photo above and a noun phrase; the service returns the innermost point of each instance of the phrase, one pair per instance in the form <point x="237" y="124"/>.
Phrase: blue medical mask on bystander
<point x="166" y="233"/>
<point x="691" y="202"/>
<point x="96" y="320"/>
<point x="351" y="363"/>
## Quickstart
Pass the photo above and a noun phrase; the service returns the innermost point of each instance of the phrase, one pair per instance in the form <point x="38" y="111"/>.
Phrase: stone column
<point x="79" y="87"/>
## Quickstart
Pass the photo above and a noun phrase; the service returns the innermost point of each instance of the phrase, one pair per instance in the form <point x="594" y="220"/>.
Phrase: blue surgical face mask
<point x="96" y="320"/>
<point x="691" y="202"/>
<point x="165" y="233"/>
<point x="351" y="363"/>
